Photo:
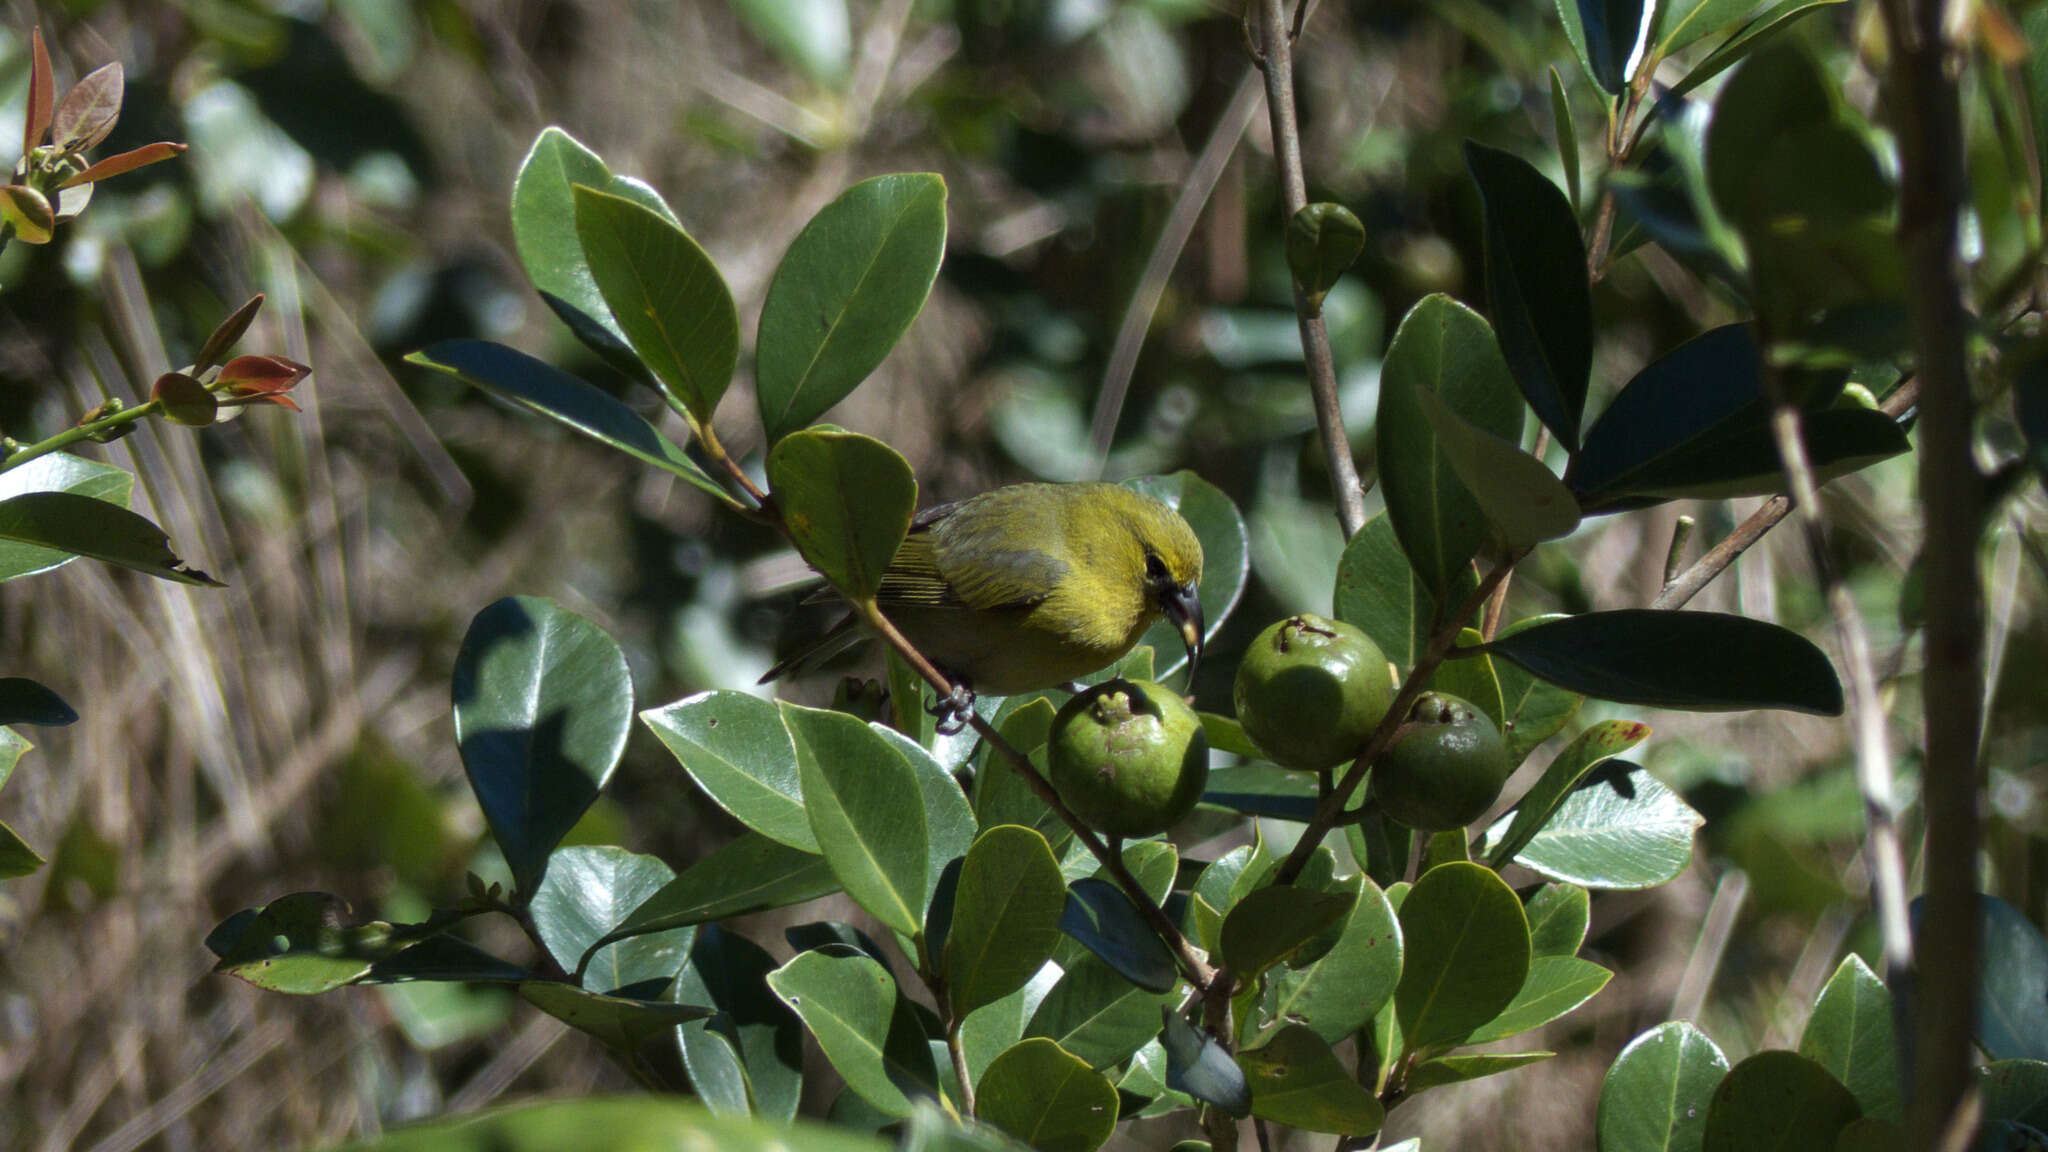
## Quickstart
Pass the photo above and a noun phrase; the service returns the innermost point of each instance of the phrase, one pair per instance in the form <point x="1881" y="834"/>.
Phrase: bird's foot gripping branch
<point x="1049" y="961"/>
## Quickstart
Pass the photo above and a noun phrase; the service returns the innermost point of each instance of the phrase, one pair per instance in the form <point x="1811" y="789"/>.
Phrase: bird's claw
<point x="953" y="710"/>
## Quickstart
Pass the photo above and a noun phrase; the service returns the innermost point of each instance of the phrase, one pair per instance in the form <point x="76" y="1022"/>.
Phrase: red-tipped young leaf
<point x="41" y="92"/>
<point x="127" y="161"/>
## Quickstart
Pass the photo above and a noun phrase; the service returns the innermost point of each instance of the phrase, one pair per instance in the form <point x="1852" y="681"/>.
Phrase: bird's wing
<point x="931" y="570"/>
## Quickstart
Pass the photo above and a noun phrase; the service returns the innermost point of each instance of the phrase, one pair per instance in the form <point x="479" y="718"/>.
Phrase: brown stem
<point x="1274" y="55"/>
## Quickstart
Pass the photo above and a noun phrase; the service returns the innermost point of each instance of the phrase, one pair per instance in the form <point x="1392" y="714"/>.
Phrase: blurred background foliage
<point x="353" y="160"/>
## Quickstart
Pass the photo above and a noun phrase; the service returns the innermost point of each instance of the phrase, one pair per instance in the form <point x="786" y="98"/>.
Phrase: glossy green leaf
<point x="1603" y="33"/>
<point x="1007" y="916"/>
<point x="1685" y="22"/>
<point x="1216" y="891"/>
<point x="24" y="701"/>
<point x="1567" y="138"/>
<point x="1296" y="1080"/>
<point x="849" y="1004"/>
<point x="588" y="891"/>
<point x="1322" y="241"/>
<point x="1105" y="921"/>
<point x="2012" y="1000"/>
<point x="1754" y="34"/>
<point x="635" y="1122"/>
<point x="1473" y="679"/>
<point x="990" y="1030"/>
<point x="12" y="747"/>
<point x="1342" y="990"/>
<point x="1558" y="916"/>
<point x="2014" y="1090"/>
<point x="540" y="387"/>
<point x="1595" y="745"/>
<point x="1262" y="789"/>
<point x="1047" y="1097"/>
<point x="544" y="229"/>
<point x="83" y="526"/>
<point x="1524" y="503"/>
<point x="735" y="748"/>
<point x="1850" y="1035"/>
<point x="1270" y="924"/>
<point x="1226" y="559"/>
<point x="665" y="294"/>
<point x="1777" y="1099"/>
<point x="749" y="1056"/>
<point x="622" y="1022"/>
<point x="1458" y="1069"/>
<point x="1621" y="829"/>
<point x="543" y="703"/>
<point x="1199" y="1066"/>
<point x="1000" y="794"/>
<point x="1532" y="710"/>
<point x="846" y="291"/>
<point x="1555" y="985"/>
<point x="1697" y="661"/>
<point x="298" y="944"/>
<point x="1536" y="284"/>
<point x="1655" y="1096"/>
<point x="57" y="472"/>
<point x="949" y="822"/>
<point x="1465" y="954"/>
<point x="750" y="874"/>
<point x="1096" y="1014"/>
<point x="867" y="810"/>
<point x="17" y="859"/>
<point x="1379" y="593"/>
<point x="1445" y="348"/>
<point x="1152" y="863"/>
<point x="846" y="500"/>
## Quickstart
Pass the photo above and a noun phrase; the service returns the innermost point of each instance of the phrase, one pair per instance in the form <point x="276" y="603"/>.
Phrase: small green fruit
<point x="1445" y="770"/>
<point x="1310" y="690"/>
<point x="1129" y="757"/>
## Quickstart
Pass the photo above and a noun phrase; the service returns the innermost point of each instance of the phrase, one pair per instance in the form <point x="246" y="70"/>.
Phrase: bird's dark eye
<point x="1155" y="569"/>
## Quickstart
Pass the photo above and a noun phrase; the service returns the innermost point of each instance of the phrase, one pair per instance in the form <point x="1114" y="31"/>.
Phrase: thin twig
<point x="1715" y="931"/>
<point x="958" y="1051"/>
<point x="1276" y="59"/>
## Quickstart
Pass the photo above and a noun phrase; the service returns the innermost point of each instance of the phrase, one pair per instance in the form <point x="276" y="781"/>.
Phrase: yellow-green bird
<point x="1035" y="585"/>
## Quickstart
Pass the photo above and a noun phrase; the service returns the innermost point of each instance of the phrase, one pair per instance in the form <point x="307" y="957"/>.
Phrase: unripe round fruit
<point x="1446" y="770"/>
<point x="1310" y="690"/>
<point x="1129" y="757"/>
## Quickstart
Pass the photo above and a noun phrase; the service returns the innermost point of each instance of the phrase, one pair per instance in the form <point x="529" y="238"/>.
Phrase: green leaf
<point x="1270" y="924"/>
<point x="750" y="874"/>
<point x="1567" y="138"/>
<point x="1532" y="710"/>
<point x="1340" y="992"/>
<point x="846" y="291"/>
<point x="1654" y="1098"/>
<point x="1465" y="954"/>
<point x="1000" y="794"/>
<point x="1261" y="789"/>
<point x="2012" y="1000"/>
<point x="1777" y="1100"/>
<point x="735" y="748"/>
<point x="17" y="859"/>
<point x="588" y="891"/>
<point x="1457" y="1069"/>
<point x="1296" y="1080"/>
<point x="543" y="703"/>
<point x="1226" y="558"/>
<point x="1602" y="741"/>
<point x="83" y="526"/>
<point x="297" y="944"/>
<point x="665" y="294"/>
<point x="1555" y="985"/>
<point x="867" y="810"/>
<point x="1696" y="661"/>
<point x="1006" y="919"/>
<point x="1472" y="679"/>
<point x="23" y="701"/>
<point x="1380" y="594"/>
<point x="1105" y="921"/>
<point x="849" y="1004"/>
<point x="1536" y="280"/>
<point x="1603" y="32"/>
<point x="1755" y="32"/>
<point x="1047" y="1097"/>
<point x="1686" y="22"/>
<point x="636" y="1122"/>
<point x="57" y="472"/>
<point x="1558" y="915"/>
<point x="12" y="747"/>
<point x="520" y="379"/>
<point x="544" y="229"/>
<point x="948" y="816"/>
<point x="622" y="1022"/>
<point x="748" y="1057"/>
<point x="1850" y="1035"/>
<point x="846" y="500"/>
<point x="1322" y="241"/>
<point x="2014" y="1090"/>
<point x="1197" y="1065"/>
<point x="1621" y="829"/>
<point x="1445" y="348"/>
<point x="1523" y="502"/>
<point x="1096" y="1014"/>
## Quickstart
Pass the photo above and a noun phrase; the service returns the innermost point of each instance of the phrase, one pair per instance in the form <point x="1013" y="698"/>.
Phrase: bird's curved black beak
<point x="1184" y="608"/>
